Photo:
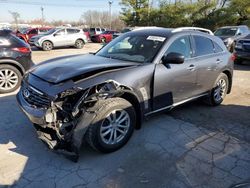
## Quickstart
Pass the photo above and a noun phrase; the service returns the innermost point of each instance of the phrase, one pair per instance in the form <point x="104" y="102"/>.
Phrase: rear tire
<point x="218" y="93"/>
<point x="10" y="78"/>
<point x="47" y="46"/>
<point x="79" y="43"/>
<point x="113" y="126"/>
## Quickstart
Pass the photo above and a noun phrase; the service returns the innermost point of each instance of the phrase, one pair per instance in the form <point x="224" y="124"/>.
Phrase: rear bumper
<point x="242" y="55"/>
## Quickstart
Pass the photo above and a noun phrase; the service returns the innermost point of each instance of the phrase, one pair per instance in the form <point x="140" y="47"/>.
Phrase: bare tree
<point x="101" y="19"/>
<point x="15" y="16"/>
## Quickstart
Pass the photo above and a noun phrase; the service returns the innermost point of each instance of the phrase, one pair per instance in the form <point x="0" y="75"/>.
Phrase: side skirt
<point x="176" y="104"/>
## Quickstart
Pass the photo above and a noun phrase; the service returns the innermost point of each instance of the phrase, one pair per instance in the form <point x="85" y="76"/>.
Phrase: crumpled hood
<point x="66" y="68"/>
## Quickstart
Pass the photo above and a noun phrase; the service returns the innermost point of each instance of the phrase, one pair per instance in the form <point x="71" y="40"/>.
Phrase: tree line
<point x="209" y="14"/>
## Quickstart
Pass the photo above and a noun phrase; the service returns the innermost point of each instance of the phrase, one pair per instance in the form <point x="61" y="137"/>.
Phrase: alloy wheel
<point x="220" y="90"/>
<point x="115" y="127"/>
<point x="47" y="46"/>
<point x="79" y="44"/>
<point x="8" y="79"/>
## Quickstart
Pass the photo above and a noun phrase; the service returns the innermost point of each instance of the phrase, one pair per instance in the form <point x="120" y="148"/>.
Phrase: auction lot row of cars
<point x="101" y="98"/>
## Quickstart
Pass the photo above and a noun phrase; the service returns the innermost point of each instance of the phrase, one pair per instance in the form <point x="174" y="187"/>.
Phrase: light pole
<point x="110" y="14"/>
<point x="42" y="9"/>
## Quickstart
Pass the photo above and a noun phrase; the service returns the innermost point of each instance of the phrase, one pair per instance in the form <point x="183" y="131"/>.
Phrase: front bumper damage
<point x="62" y="126"/>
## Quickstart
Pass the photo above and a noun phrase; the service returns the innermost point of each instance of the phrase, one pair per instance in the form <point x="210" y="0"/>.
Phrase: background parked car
<point x="96" y="30"/>
<point x="125" y="30"/>
<point x="87" y="33"/>
<point x="28" y="33"/>
<point x="242" y="49"/>
<point x="15" y="59"/>
<point x="60" y="37"/>
<point x="104" y="37"/>
<point x="229" y="35"/>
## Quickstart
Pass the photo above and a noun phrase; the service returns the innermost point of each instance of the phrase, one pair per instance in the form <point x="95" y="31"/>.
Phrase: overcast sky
<point x="69" y="10"/>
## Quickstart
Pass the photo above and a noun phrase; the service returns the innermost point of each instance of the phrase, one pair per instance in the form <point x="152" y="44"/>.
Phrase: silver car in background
<point x="59" y="37"/>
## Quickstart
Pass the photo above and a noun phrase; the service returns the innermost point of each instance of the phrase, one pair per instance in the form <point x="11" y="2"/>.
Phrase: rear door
<point x="175" y="82"/>
<point x="206" y="61"/>
<point x="72" y="36"/>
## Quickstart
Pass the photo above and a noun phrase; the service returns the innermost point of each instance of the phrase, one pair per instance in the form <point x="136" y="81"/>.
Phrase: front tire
<point x="10" y="78"/>
<point x="218" y="93"/>
<point x="47" y="46"/>
<point x="113" y="126"/>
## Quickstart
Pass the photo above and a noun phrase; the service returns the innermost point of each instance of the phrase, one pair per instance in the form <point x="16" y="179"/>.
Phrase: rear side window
<point x="72" y="31"/>
<point x="98" y="29"/>
<point x="203" y="46"/>
<point x="217" y="48"/>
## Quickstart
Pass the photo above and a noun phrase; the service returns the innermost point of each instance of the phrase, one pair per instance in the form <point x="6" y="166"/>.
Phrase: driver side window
<point x="60" y="32"/>
<point x="182" y="46"/>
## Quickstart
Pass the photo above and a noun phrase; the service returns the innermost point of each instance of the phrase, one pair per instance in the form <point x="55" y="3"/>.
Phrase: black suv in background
<point x="106" y="95"/>
<point x="242" y="50"/>
<point x="15" y="59"/>
<point x="229" y="35"/>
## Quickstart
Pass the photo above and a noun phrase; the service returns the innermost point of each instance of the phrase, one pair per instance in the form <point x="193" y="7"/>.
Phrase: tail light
<point x="233" y="57"/>
<point x="22" y="49"/>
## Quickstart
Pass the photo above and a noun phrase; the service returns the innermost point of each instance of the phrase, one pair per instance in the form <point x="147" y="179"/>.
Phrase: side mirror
<point x="57" y="34"/>
<point x="239" y="34"/>
<point x="173" y="58"/>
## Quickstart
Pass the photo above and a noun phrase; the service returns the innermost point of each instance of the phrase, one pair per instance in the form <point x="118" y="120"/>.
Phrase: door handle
<point x="218" y="61"/>
<point x="191" y="67"/>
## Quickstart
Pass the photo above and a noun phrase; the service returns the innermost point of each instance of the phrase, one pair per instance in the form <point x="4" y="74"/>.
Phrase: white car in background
<point x="60" y="37"/>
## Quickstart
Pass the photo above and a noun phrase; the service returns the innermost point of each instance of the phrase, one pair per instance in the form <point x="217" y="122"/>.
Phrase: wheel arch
<point x="48" y="41"/>
<point x="81" y="40"/>
<point x="133" y="99"/>
<point x="13" y="63"/>
<point x="230" y="80"/>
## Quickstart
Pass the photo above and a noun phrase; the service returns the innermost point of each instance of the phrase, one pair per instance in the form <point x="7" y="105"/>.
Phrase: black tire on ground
<point x="15" y="78"/>
<point x="220" y="88"/>
<point x="79" y="43"/>
<point x="47" y="46"/>
<point x="94" y="134"/>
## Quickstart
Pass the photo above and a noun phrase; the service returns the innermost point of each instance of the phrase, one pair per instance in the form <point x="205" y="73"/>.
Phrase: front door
<point x="59" y="38"/>
<point x="175" y="82"/>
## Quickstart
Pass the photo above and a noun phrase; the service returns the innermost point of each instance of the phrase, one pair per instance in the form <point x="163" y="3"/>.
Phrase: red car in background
<point x="104" y="37"/>
<point x="30" y="32"/>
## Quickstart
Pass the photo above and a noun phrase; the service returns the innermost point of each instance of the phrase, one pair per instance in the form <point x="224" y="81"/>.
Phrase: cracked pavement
<point x="193" y="146"/>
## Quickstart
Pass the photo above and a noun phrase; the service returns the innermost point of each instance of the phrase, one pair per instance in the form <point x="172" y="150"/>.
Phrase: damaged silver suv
<point x="101" y="98"/>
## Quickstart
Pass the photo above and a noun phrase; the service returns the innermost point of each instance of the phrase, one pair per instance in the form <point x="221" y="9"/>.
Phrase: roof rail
<point x="193" y="29"/>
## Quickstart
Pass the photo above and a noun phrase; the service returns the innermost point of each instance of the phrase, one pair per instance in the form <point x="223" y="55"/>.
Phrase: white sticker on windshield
<point x="156" y="38"/>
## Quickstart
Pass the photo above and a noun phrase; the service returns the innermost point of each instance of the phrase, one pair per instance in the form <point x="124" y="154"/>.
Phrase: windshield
<point x="226" y="32"/>
<point x="125" y="30"/>
<point x="49" y="32"/>
<point x="23" y="30"/>
<point x="137" y="48"/>
<point x="106" y="32"/>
